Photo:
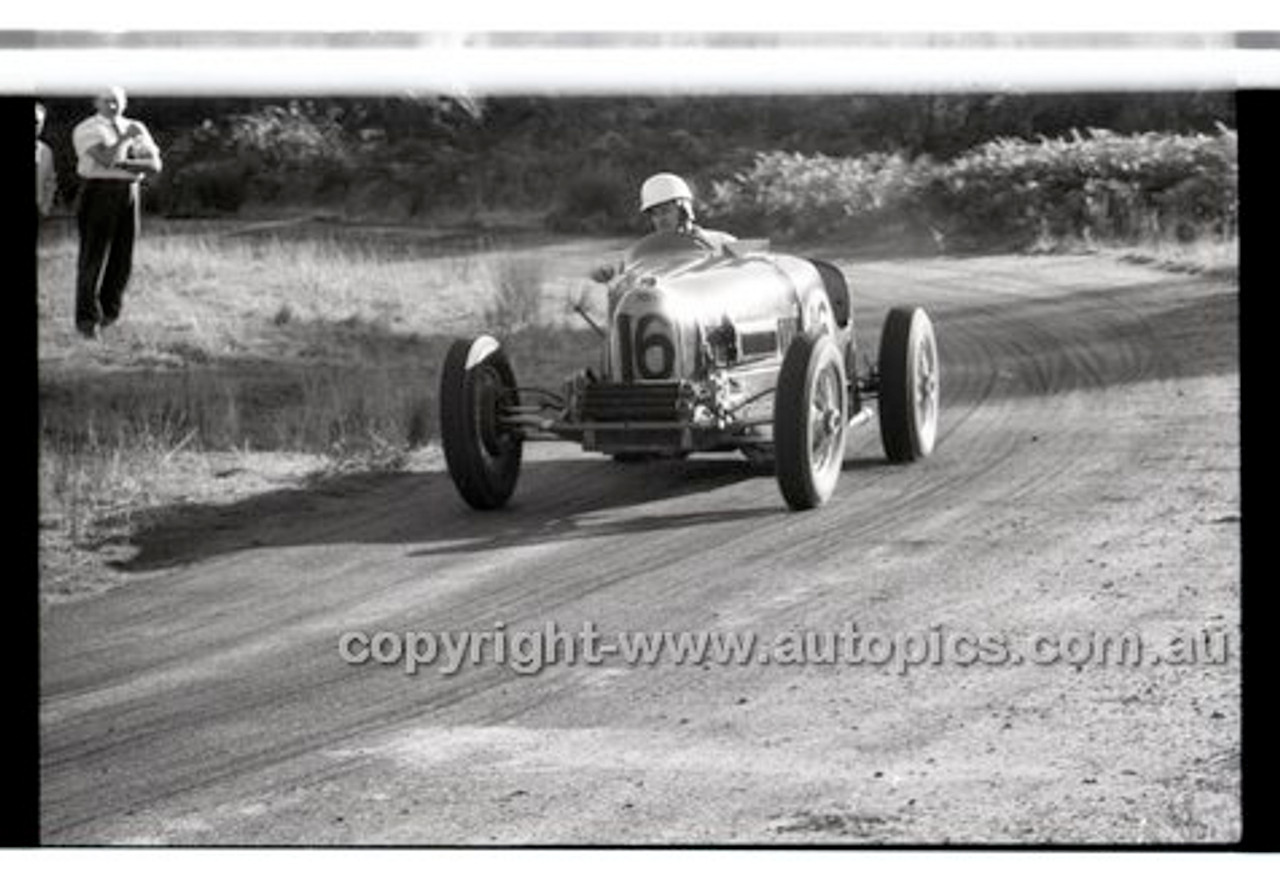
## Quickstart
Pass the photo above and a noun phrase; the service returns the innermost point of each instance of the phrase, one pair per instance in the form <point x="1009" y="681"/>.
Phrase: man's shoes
<point x="88" y="330"/>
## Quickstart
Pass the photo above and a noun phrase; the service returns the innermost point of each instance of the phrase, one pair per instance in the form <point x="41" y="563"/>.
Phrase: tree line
<point x="415" y="156"/>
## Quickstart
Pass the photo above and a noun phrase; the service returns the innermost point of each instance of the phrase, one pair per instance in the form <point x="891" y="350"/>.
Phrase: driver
<point x="667" y="202"/>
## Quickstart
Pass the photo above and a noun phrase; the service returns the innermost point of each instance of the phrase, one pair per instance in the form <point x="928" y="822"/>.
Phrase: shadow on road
<point x="556" y="500"/>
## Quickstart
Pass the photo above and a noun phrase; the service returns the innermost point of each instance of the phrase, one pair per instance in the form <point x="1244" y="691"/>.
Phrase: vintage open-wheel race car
<point x="738" y="348"/>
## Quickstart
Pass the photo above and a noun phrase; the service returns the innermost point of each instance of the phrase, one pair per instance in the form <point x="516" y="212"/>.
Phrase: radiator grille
<point x="630" y="402"/>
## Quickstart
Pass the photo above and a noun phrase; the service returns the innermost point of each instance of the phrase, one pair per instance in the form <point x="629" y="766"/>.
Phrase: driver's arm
<point x="716" y="240"/>
<point x="607" y="271"/>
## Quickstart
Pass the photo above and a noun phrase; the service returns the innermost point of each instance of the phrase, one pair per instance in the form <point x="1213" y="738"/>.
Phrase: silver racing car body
<point x="737" y="348"/>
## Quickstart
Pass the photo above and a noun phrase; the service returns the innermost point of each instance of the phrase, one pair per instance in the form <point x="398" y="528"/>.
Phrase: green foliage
<point x="206" y="187"/>
<point x="789" y="194"/>
<point x="794" y="165"/>
<point x="598" y="201"/>
<point x="1098" y="185"/>
<point x="1095" y="185"/>
<point x="295" y="152"/>
<point x="297" y="135"/>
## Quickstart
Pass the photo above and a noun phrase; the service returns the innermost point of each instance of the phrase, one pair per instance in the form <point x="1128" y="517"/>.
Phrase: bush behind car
<point x="1012" y="192"/>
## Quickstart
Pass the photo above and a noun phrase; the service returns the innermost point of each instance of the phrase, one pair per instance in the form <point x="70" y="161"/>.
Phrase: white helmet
<point x="662" y="188"/>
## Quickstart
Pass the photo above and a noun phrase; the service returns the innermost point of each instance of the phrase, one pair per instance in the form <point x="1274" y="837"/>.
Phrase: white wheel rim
<point x="826" y="425"/>
<point x="924" y="386"/>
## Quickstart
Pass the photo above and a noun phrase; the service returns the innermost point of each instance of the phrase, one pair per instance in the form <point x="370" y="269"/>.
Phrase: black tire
<point x="810" y="420"/>
<point x="633" y="457"/>
<point x="909" y="385"/>
<point x="483" y="457"/>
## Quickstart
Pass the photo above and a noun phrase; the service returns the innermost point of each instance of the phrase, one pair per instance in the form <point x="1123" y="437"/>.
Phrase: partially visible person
<point x="113" y="155"/>
<point x="667" y="202"/>
<point x="46" y="173"/>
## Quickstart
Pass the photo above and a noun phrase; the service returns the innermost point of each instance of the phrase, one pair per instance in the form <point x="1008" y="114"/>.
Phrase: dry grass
<point x="1205" y="256"/>
<point x="212" y="289"/>
<point x="238" y="339"/>
<point x="518" y="294"/>
<point x="1210" y="257"/>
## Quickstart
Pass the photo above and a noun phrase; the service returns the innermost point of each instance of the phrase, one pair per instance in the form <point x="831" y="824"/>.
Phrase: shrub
<point x="293" y="153"/>
<point x="1007" y="191"/>
<point x="598" y="201"/>
<point x="204" y="187"/>
<point x="1099" y="184"/>
<point x="292" y="136"/>
<point x="789" y="194"/>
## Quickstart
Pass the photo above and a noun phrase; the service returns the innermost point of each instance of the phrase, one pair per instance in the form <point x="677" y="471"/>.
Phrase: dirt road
<point x="1085" y="480"/>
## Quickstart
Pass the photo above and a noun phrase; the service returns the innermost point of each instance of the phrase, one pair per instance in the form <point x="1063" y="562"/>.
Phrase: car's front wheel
<point x="482" y="454"/>
<point x="811" y="417"/>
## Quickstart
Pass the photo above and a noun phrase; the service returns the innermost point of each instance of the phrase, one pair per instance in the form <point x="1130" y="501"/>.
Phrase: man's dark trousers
<point x="108" y="223"/>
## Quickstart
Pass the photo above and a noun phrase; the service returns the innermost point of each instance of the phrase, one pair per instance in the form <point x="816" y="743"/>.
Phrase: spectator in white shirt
<point x="113" y="155"/>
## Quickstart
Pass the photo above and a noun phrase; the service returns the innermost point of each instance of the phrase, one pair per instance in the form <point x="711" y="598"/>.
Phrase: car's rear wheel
<point x="482" y="454"/>
<point x="909" y="385"/>
<point x="811" y="417"/>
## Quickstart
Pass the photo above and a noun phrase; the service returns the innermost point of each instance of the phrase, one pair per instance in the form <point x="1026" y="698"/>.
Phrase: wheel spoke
<point x="817" y="435"/>
<point x="926" y="384"/>
<point x="824" y="420"/>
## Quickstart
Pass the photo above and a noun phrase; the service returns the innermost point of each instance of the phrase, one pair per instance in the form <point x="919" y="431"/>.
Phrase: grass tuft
<point x="517" y="282"/>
